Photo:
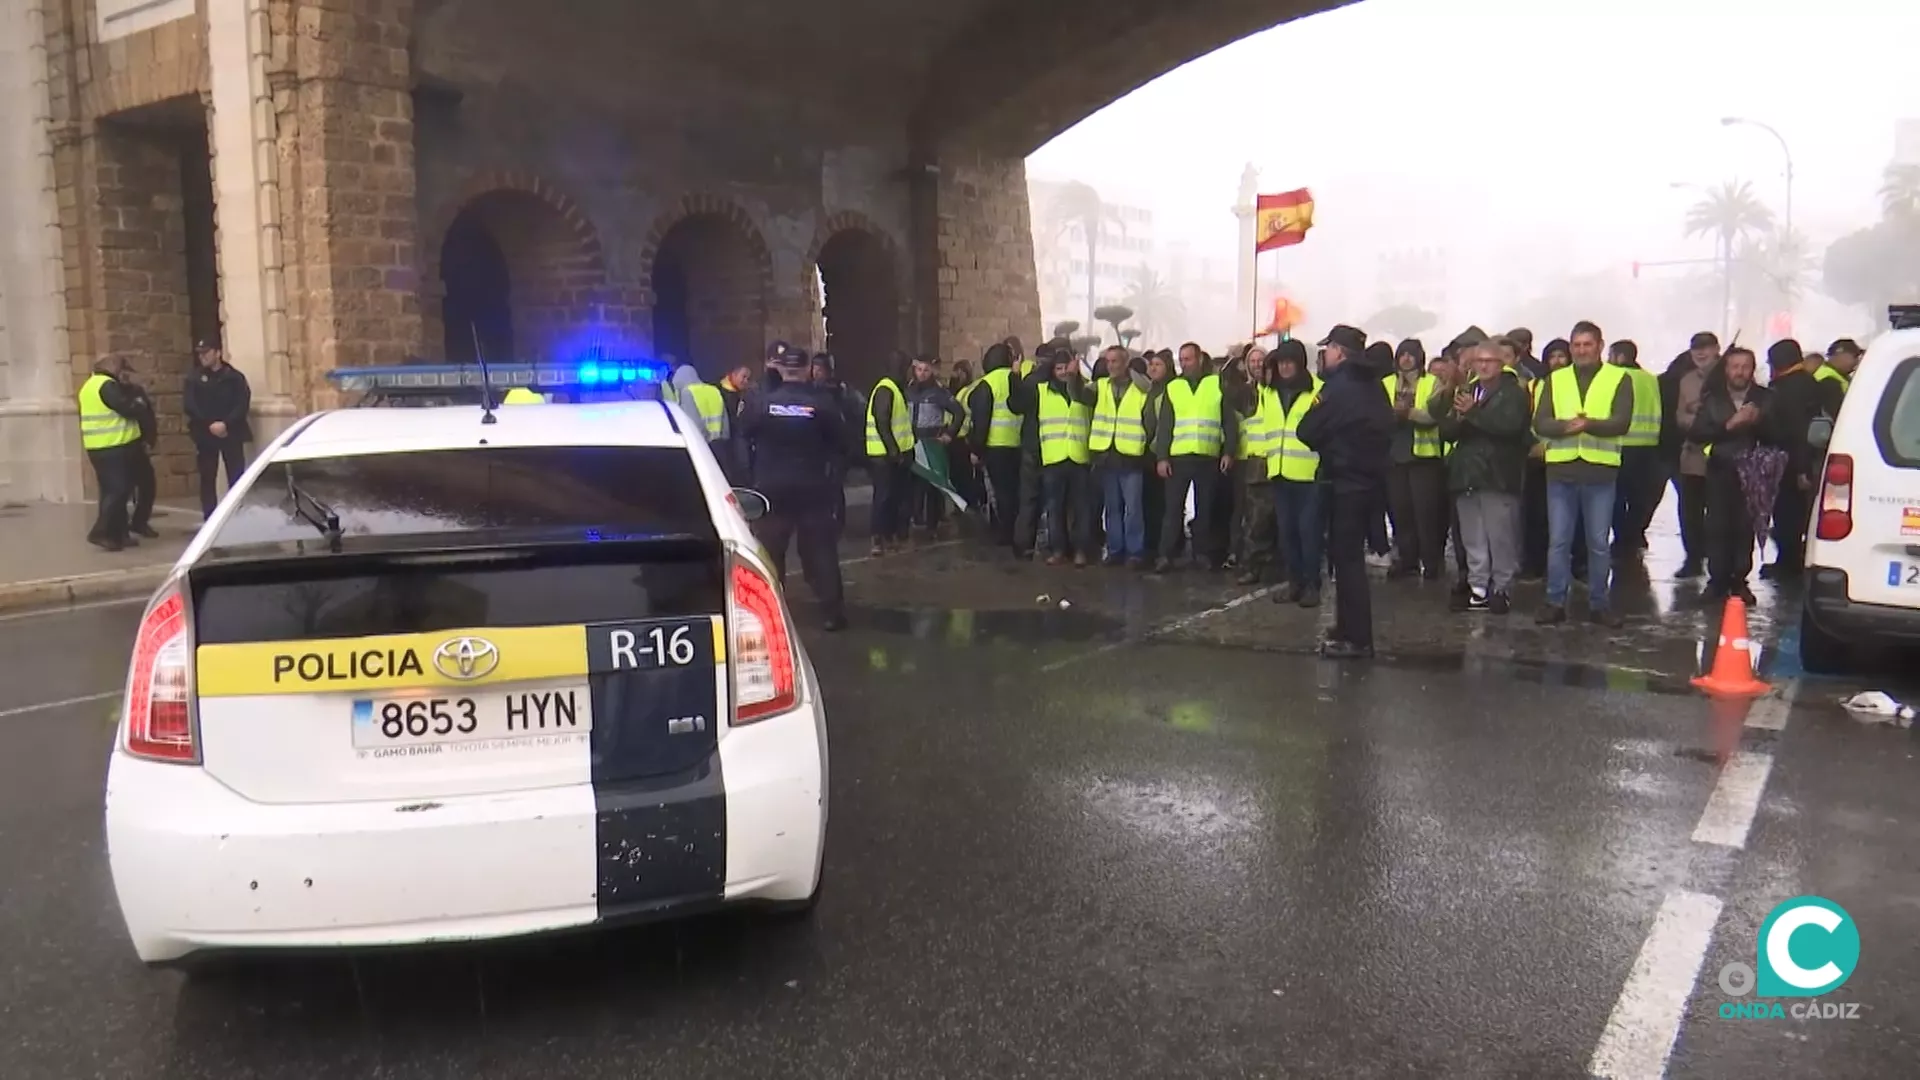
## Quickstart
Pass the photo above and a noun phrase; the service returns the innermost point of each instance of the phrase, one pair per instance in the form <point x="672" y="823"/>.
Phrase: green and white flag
<point x="930" y="464"/>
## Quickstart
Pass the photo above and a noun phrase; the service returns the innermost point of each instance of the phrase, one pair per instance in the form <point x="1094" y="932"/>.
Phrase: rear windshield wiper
<point x="315" y="513"/>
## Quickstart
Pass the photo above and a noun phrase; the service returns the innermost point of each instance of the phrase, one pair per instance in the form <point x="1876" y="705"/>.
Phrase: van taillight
<point x="763" y="674"/>
<point x="159" y="720"/>
<point x="1836" y="499"/>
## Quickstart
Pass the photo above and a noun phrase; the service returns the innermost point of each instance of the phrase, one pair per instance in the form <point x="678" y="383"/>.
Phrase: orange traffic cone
<point x="1732" y="672"/>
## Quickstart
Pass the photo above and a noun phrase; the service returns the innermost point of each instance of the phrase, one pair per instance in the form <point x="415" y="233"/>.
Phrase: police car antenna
<point x="486" y="379"/>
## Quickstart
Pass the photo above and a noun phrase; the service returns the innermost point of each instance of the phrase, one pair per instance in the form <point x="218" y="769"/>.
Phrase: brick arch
<point x="529" y="269"/>
<point x="709" y="275"/>
<point x="863" y="316"/>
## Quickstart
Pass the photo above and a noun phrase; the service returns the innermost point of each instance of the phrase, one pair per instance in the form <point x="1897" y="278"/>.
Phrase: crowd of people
<point x="1485" y="463"/>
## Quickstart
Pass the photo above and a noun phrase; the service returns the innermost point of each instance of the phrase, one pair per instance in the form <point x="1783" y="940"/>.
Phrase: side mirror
<point x="753" y="505"/>
<point x="1820" y="432"/>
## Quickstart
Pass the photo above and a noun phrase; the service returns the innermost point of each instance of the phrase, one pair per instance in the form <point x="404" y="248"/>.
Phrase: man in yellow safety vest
<point x="1194" y="437"/>
<point x="1584" y="412"/>
<point x="1118" y="443"/>
<point x="109" y="433"/>
<point x="993" y="435"/>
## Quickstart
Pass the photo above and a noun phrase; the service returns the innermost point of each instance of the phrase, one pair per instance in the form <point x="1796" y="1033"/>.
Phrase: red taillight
<point x="763" y="675"/>
<point x="1835" y="521"/>
<point x="159" y="723"/>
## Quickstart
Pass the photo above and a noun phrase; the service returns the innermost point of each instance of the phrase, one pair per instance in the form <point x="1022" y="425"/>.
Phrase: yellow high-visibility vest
<point x="1289" y="458"/>
<point x="902" y="424"/>
<point x="966" y="408"/>
<point x="710" y="406"/>
<point x="1564" y="386"/>
<point x="1426" y="440"/>
<point x="1003" y="426"/>
<point x="1197" y="429"/>
<point x="1064" y="429"/>
<point x="1120" y="427"/>
<point x="1827" y="373"/>
<point x="100" y="427"/>
<point x="1646" y="409"/>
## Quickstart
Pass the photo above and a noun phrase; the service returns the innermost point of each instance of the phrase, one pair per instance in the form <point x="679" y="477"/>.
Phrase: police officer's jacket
<point x="797" y="437"/>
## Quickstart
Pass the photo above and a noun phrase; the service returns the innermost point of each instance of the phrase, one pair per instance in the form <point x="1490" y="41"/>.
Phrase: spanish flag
<point x="1286" y="316"/>
<point x="1282" y="220"/>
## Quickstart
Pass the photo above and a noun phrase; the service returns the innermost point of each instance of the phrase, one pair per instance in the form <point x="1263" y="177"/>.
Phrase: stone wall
<point x="985" y="279"/>
<point x="342" y="95"/>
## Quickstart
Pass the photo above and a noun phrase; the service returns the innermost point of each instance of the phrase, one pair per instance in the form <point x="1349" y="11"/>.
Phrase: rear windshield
<point x="628" y="489"/>
<point x="1896" y="427"/>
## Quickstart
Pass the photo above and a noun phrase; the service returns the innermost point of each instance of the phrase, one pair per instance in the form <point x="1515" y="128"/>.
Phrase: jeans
<point x="1299" y="515"/>
<point x="1123" y="497"/>
<point x="1592" y="504"/>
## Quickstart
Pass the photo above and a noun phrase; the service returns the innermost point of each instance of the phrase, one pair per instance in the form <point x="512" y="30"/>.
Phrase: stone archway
<point x="860" y="291"/>
<point x="519" y="268"/>
<point x="711" y="277"/>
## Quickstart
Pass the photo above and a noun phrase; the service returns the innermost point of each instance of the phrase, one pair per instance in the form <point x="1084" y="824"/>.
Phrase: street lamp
<point x="1787" y="215"/>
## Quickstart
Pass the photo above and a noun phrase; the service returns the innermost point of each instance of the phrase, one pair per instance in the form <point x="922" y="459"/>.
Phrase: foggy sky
<point x="1525" y="136"/>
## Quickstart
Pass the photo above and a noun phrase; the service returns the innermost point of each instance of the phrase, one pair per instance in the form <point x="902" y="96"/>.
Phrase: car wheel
<point x="1820" y="652"/>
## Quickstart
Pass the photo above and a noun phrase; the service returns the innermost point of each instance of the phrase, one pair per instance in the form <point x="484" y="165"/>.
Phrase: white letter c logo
<point x="1780" y="955"/>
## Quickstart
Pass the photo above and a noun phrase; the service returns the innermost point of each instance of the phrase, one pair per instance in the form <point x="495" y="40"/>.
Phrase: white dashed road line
<point x="1168" y="627"/>
<point x="1645" y="1024"/>
<point x="45" y="705"/>
<point x="1735" y="799"/>
<point x="1646" y="1020"/>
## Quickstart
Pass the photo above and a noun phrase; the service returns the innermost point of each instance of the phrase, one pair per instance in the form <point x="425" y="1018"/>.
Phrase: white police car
<point x="425" y="679"/>
<point x="1863" y="546"/>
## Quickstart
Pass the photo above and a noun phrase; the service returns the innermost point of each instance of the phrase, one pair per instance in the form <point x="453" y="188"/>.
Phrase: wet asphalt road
<point x="1148" y="836"/>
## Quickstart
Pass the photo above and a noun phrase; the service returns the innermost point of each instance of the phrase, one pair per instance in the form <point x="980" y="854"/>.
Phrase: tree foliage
<point x="1880" y="264"/>
<point x="1401" y="321"/>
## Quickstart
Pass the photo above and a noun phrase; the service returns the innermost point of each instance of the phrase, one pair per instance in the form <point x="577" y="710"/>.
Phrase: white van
<point x="1863" y="546"/>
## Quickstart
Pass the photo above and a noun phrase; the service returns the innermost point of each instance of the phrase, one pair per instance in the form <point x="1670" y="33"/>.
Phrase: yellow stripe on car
<point x="393" y="662"/>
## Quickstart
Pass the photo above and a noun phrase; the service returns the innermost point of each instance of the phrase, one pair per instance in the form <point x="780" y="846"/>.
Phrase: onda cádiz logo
<point x="1808" y="946"/>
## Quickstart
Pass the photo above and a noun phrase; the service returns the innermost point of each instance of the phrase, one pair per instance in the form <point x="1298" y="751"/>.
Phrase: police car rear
<point x="424" y="680"/>
<point x="1863" y="546"/>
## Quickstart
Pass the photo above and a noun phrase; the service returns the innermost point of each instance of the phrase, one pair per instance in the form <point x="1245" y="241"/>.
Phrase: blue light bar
<point x="593" y="374"/>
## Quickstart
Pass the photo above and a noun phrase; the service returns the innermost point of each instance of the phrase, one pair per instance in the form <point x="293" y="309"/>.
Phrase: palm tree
<point x="1900" y="192"/>
<point x="1077" y="205"/>
<point x="1155" y="305"/>
<point x="1729" y="213"/>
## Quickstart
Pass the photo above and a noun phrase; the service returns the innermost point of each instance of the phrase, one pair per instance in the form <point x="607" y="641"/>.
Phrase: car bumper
<point x="1839" y="616"/>
<point x="197" y="868"/>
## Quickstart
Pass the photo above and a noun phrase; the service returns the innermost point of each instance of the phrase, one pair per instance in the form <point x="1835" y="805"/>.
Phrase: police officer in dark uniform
<point x="797" y="443"/>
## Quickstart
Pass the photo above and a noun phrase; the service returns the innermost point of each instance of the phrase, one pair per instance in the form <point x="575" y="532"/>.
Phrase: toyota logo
<point x="466" y="658"/>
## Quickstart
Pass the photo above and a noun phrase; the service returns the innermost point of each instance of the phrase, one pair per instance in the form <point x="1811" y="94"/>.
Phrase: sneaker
<point x="1310" y="597"/>
<point x="1162" y="566"/>
<point x="147" y="531"/>
<point x="878" y="550"/>
<point x="1551" y="615"/>
<point x="1110" y="559"/>
<point x="1476" y="602"/>
<point x="1056" y="560"/>
<point x="1249" y="577"/>
<point x="1499" y="604"/>
<point x="1606" y="617"/>
<point x="1079" y="562"/>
